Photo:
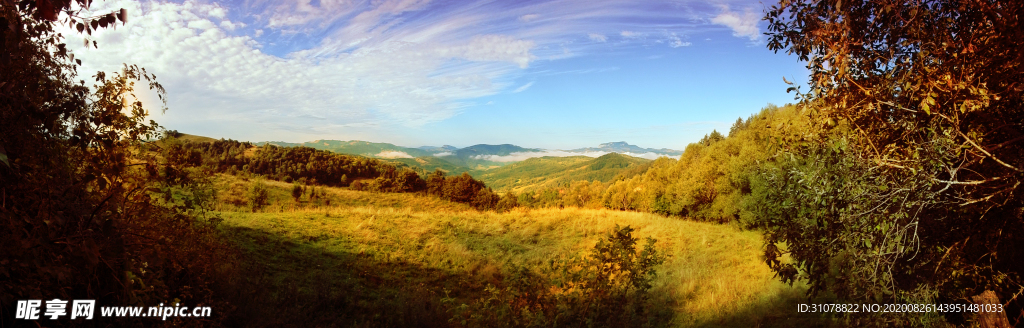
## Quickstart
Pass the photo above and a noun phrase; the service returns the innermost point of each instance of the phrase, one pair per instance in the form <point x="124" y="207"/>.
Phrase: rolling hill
<point x="362" y="148"/>
<point x="426" y="158"/>
<point x="477" y="151"/>
<point x="188" y="137"/>
<point x="496" y="167"/>
<point x="544" y="172"/>
<point x="426" y="164"/>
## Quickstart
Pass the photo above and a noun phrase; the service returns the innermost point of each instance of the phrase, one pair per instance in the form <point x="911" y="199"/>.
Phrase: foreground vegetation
<point x="404" y="259"/>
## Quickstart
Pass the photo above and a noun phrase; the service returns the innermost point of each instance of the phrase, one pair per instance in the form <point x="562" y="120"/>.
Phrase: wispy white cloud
<point x="443" y="154"/>
<point x="364" y="63"/>
<point x="529" y="17"/>
<point x="742" y="25"/>
<point x="676" y="42"/>
<point x="631" y="34"/>
<point x="523" y="87"/>
<point x="227" y="77"/>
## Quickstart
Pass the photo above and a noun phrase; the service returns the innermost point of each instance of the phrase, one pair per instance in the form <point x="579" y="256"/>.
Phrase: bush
<point x="507" y="202"/>
<point x="258" y="196"/>
<point x="357" y="185"/>
<point x="297" y="192"/>
<point x="485" y="199"/>
<point x="608" y="288"/>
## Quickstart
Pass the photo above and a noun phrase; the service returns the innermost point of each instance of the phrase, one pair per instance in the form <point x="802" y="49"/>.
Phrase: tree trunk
<point x="990" y="319"/>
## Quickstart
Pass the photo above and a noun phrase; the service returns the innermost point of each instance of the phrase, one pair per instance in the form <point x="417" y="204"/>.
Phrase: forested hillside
<point x="713" y="176"/>
<point x="307" y="166"/>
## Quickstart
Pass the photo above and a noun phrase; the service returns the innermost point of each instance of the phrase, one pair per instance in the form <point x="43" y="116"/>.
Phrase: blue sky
<point x="541" y="74"/>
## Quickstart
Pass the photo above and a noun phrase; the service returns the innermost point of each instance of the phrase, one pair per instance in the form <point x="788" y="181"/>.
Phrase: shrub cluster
<point x="607" y="288"/>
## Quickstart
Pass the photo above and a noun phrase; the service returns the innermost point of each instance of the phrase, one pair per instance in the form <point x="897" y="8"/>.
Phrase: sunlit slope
<point x="190" y="137"/>
<point x="544" y="172"/>
<point x="427" y="164"/>
<point x="362" y="148"/>
<point x="369" y="255"/>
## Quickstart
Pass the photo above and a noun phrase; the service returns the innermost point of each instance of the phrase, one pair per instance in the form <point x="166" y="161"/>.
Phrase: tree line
<point x="709" y="182"/>
<point x="310" y="166"/>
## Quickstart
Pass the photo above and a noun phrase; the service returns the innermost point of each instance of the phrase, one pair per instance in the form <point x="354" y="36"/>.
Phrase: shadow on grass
<point x="775" y="305"/>
<point x="777" y="310"/>
<point x="290" y="283"/>
<point x="321" y="282"/>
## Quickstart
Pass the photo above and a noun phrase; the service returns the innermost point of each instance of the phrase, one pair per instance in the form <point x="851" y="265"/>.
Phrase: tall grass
<point x="384" y="253"/>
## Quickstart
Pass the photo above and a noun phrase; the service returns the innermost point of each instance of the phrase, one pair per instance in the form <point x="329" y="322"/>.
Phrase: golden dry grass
<point x="713" y="277"/>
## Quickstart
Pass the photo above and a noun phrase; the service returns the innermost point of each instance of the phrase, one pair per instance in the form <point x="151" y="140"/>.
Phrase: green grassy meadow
<point x="548" y="172"/>
<point x="380" y="259"/>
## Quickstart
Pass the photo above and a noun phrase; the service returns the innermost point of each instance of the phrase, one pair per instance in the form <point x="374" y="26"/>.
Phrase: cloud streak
<point x="523" y="88"/>
<point x="402" y="63"/>
<point x="742" y="25"/>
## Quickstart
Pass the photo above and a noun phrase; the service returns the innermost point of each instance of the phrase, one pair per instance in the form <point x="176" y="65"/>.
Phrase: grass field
<point x="388" y="259"/>
<point x="548" y="172"/>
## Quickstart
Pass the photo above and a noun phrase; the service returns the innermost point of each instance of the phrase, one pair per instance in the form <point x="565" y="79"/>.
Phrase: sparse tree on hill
<point x="258" y="196"/>
<point x="297" y="192"/>
<point x="736" y="127"/>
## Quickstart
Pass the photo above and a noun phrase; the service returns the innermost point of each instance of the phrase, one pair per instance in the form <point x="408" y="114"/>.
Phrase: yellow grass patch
<point x="714" y="274"/>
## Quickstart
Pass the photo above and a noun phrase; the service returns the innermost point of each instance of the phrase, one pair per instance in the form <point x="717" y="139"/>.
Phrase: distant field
<point x="388" y="259"/>
<point x="427" y="164"/>
<point x="195" y="138"/>
<point x="548" y="172"/>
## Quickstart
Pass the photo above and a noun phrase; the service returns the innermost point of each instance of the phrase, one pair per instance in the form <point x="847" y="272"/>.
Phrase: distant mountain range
<point x="622" y="147"/>
<point x="476" y="158"/>
<point x="387" y="150"/>
<point x="445" y="148"/>
<point x="491" y="150"/>
<point x="502" y="167"/>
